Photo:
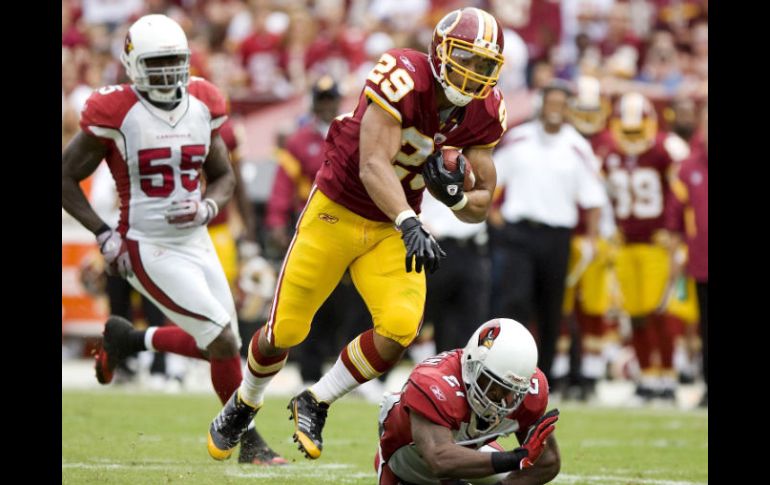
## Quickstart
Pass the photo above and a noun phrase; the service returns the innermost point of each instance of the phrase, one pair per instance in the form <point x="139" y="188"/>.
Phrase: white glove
<point x="115" y="253"/>
<point x="191" y="213"/>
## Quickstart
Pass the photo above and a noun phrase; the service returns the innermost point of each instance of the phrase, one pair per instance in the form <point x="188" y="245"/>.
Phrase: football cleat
<point x="309" y="417"/>
<point x="228" y="426"/>
<point x="115" y="348"/>
<point x="256" y="451"/>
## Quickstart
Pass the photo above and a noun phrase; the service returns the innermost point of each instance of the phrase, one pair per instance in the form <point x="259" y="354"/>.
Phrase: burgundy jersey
<point x="639" y="186"/>
<point x="297" y="167"/>
<point x="403" y="85"/>
<point x="435" y="391"/>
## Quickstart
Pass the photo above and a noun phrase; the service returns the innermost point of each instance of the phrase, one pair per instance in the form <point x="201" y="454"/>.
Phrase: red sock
<point x="262" y="366"/>
<point x="642" y="345"/>
<point x="669" y="328"/>
<point x="226" y="376"/>
<point x="173" y="339"/>
<point x="372" y="366"/>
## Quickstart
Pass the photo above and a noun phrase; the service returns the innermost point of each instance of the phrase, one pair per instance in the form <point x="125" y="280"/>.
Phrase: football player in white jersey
<point x="156" y="135"/>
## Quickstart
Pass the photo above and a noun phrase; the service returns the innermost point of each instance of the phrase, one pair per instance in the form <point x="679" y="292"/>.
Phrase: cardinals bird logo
<point x="488" y="334"/>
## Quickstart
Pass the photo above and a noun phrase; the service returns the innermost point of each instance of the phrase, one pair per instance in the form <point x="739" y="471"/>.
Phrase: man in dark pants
<point x="458" y="295"/>
<point x="548" y="169"/>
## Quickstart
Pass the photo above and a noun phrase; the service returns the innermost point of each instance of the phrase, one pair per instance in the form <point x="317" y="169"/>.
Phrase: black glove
<point x="420" y="245"/>
<point x="442" y="184"/>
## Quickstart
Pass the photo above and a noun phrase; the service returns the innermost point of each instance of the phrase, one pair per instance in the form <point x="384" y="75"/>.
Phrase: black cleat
<point x="256" y="451"/>
<point x="309" y="417"/>
<point x="115" y="348"/>
<point x="228" y="426"/>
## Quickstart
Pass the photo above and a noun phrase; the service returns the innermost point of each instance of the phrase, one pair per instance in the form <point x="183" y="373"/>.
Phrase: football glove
<point x="445" y="186"/>
<point x="534" y="443"/>
<point x="115" y="252"/>
<point x="191" y="213"/>
<point x="420" y="245"/>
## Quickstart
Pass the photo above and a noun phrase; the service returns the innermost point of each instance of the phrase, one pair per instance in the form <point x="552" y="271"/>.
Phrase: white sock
<point x="560" y="366"/>
<point x="148" y="338"/>
<point x="252" y="390"/>
<point x="334" y="384"/>
<point x="593" y="366"/>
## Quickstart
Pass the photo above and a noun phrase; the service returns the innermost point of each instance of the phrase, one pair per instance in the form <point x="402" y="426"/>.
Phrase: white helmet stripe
<point x="480" y="29"/>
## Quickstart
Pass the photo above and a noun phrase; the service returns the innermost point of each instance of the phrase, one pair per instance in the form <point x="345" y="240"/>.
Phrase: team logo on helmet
<point x="128" y="46"/>
<point x="488" y="334"/>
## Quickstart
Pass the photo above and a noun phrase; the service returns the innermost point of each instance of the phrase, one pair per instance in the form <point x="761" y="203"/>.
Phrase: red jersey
<point x="639" y="186"/>
<point x="402" y="84"/>
<point x="435" y="391"/>
<point x="687" y="211"/>
<point x="297" y="167"/>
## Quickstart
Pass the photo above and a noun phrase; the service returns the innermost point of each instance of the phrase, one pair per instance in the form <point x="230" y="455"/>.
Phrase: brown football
<point x="450" y="163"/>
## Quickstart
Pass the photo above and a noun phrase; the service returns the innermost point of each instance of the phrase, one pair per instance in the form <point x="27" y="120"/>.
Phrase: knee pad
<point x="289" y="333"/>
<point x="398" y="324"/>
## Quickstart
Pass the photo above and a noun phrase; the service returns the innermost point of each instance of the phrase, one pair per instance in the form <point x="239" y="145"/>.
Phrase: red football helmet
<point x="634" y="124"/>
<point x="468" y="42"/>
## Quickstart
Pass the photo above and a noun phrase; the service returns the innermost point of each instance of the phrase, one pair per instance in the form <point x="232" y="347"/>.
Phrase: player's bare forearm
<point x="244" y="205"/>
<point x="445" y="458"/>
<point x="219" y="173"/>
<point x="480" y="198"/>
<point x="543" y="471"/>
<point x="593" y="216"/>
<point x="379" y="142"/>
<point x="79" y="160"/>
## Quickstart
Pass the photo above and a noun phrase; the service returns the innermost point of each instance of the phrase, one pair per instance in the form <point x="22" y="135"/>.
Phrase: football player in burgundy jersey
<point x="444" y="422"/>
<point x="156" y="135"/>
<point x="361" y="215"/>
<point x="639" y="160"/>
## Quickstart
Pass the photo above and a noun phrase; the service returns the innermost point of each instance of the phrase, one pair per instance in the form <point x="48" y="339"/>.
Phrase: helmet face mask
<point x="157" y="58"/>
<point x="497" y="365"/>
<point x="466" y="54"/>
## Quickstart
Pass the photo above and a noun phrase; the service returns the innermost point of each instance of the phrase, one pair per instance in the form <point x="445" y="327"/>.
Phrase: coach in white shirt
<point x="547" y="169"/>
<point x="458" y="295"/>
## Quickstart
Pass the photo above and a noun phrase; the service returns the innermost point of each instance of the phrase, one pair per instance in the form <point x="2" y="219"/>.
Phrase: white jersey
<point x="155" y="156"/>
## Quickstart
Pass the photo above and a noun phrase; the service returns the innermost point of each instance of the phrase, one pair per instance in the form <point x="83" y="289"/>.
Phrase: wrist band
<point x="459" y="206"/>
<point x="403" y="216"/>
<point x="507" y="461"/>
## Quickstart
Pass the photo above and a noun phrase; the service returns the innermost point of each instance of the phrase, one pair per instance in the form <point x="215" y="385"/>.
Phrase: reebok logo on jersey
<point x="328" y="218"/>
<point x="407" y="63"/>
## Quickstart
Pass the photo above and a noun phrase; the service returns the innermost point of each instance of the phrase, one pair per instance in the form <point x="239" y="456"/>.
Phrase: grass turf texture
<point x="115" y="437"/>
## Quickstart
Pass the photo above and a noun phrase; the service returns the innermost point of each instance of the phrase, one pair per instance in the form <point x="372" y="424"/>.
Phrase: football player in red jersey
<point x="639" y="163"/>
<point x="444" y="422"/>
<point x="156" y="136"/>
<point x="362" y="215"/>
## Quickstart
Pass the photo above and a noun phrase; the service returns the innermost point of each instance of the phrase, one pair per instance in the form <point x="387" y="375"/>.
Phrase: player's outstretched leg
<point x="309" y="417"/>
<point x="228" y="426"/>
<point x="255" y="450"/>
<point x="116" y="346"/>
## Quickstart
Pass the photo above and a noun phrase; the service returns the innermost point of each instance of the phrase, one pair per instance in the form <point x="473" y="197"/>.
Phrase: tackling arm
<point x="79" y="160"/>
<point x="219" y="173"/>
<point x="444" y="457"/>
<point x="480" y="198"/>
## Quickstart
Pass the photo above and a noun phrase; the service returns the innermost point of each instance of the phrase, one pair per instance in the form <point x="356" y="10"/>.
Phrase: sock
<point x="172" y="339"/>
<point x="642" y="346"/>
<point x="226" y="376"/>
<point x="259" y="371"/>
<point x="358" y="362"/>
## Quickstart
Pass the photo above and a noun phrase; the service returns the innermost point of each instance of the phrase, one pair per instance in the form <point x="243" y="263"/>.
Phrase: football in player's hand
<point x="450" y="163"/>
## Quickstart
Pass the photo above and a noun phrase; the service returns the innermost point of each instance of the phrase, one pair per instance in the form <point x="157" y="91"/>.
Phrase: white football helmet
<point x="155" y="36"/>
<point x="505" y="353"/>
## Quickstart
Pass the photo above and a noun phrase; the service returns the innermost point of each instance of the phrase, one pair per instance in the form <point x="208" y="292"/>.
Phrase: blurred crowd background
<point x="270" y="57"/>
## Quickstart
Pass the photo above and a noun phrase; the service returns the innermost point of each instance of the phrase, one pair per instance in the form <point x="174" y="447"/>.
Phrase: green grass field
<point x="114" y="437"/>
